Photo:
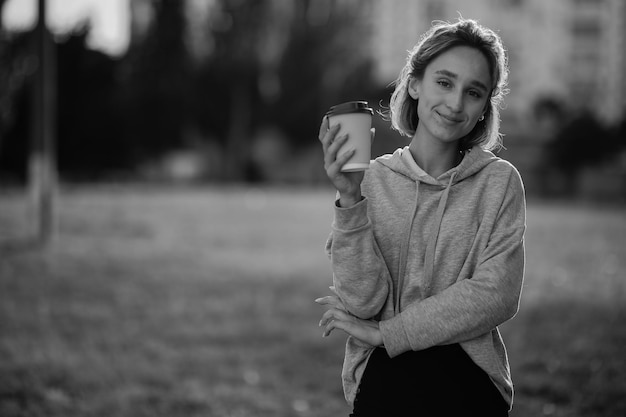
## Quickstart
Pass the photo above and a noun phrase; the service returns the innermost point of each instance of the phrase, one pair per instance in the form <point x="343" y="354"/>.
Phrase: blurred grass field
<point x="199" y="302"/>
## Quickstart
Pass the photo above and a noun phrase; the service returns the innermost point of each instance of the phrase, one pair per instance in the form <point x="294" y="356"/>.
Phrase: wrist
<point x="349" y="200"/>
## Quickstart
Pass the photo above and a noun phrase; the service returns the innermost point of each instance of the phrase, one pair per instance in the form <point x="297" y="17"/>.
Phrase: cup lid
<point x="350" y="107"/>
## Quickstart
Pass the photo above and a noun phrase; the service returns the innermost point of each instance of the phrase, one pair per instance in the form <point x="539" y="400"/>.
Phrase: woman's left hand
<point x="337" y="317"/>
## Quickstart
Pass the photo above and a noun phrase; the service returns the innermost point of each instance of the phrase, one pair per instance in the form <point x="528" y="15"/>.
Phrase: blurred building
<point x="570" y="51"/>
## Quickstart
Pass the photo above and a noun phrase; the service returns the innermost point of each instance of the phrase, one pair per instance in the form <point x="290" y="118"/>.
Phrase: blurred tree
<point x="549" y="115"/>
<point x="281" y="64"/>
<point x="156" y="84"/>
<point x="266" y="63"/>
<point x="247" y="37"/>
<point x="237" y="38"/>
<point x="583" y="142"/>
<point x="324" y="64"/>
<point x="18" y="64"/>
<point x="89" y="137"/>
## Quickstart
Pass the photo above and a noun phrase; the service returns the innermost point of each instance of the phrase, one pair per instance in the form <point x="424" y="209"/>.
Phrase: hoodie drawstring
<point x="429" y="260"/>
<point x="404" y="250"/>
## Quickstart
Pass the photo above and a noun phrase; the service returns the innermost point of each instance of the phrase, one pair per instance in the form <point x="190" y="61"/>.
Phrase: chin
<point x="450" y="138"/>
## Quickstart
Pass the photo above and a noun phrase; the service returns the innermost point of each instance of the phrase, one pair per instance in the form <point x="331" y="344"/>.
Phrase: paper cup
<point x="355" y="119"/>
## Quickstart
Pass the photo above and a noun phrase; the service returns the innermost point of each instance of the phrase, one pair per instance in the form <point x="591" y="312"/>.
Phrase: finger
<point x="323" y="128"/>
<point x="333" y="149"/>
<point x="328" y="316"/>
<point x="347" y="327"/>
<point x="372" y="134"/>
<point x="333" y="161"/>
<point x="328" y="329"/>
<point x="334" y="167"/>
<point x="332" y="300"/>
<point x="322" y="300"/>
<point x="335" y="314"/>
<point x="330" y="137"/>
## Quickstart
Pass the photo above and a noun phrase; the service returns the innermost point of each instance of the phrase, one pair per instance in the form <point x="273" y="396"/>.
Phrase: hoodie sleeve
<point x="470" y="307"/>
<point x="360" y="275"/>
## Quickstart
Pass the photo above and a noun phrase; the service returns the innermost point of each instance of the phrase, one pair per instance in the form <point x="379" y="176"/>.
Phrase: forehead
<point x="468" y="64"/>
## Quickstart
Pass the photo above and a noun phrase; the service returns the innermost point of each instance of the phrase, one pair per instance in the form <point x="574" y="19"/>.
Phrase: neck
<point x="435" y="158"/>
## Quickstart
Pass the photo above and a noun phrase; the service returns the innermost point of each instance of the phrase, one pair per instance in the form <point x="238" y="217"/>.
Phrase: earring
<point x="481" y="118"/>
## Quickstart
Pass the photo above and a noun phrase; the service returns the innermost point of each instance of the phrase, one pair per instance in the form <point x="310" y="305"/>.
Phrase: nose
<point x="455" y="101"/>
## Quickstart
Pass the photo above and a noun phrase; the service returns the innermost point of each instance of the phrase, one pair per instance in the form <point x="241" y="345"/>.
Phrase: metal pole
<point x="42" y="162"/>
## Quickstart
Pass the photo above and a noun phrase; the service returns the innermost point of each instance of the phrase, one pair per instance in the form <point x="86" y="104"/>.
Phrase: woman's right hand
<point x="348" y="184"/>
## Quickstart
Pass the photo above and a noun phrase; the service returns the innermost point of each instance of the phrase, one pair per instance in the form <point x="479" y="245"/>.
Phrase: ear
<point x="414" y="88"/>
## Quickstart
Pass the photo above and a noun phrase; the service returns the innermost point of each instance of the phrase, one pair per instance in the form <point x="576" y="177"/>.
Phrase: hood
<point x="402" y="162"/>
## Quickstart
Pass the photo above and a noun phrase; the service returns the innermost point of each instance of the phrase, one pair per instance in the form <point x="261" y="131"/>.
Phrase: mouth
<point x="449" y="119"/>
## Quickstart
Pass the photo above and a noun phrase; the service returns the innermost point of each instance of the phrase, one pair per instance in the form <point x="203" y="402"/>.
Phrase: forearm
<point x="415" y="329"/>
<point x="360" y="274"/>
<point x="364" y="296"/>
<point x="463" y="311"/>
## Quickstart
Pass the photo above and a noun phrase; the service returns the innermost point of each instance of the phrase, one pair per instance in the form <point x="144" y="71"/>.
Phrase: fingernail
<point x="317" y="300"/>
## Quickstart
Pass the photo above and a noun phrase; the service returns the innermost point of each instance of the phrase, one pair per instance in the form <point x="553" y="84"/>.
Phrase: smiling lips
<point x="449" y="119"/>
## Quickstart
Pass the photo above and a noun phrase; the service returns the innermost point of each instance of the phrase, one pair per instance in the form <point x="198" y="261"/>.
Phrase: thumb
<point x="372" y="134"/>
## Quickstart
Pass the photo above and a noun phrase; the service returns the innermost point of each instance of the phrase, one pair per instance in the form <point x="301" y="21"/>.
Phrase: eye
<point x="444" y="83"/>
<point x="475" y="94"/>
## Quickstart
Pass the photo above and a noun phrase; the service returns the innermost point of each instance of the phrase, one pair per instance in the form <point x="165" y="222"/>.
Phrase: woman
<point x="427" y="247"/>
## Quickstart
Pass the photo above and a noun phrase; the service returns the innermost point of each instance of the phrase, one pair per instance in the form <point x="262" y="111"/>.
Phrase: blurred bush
<point x="588" y="157"/>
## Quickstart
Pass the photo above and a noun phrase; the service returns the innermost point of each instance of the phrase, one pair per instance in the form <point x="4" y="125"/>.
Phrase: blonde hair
<point x="441" y="37"/>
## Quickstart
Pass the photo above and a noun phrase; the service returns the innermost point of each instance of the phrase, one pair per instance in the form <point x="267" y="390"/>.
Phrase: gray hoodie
<point x="435" y="260"/>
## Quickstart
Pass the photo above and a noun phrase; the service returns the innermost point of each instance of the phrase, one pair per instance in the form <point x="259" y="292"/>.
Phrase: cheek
<point x="476" y="110"/>
<point x="422" y="107"/>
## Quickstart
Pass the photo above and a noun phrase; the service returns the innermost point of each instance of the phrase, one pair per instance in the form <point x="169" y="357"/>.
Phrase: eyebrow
<point x="450" y="74"/>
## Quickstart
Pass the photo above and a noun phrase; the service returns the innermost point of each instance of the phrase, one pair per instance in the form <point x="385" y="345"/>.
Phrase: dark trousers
<point x="440" y="381"/>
